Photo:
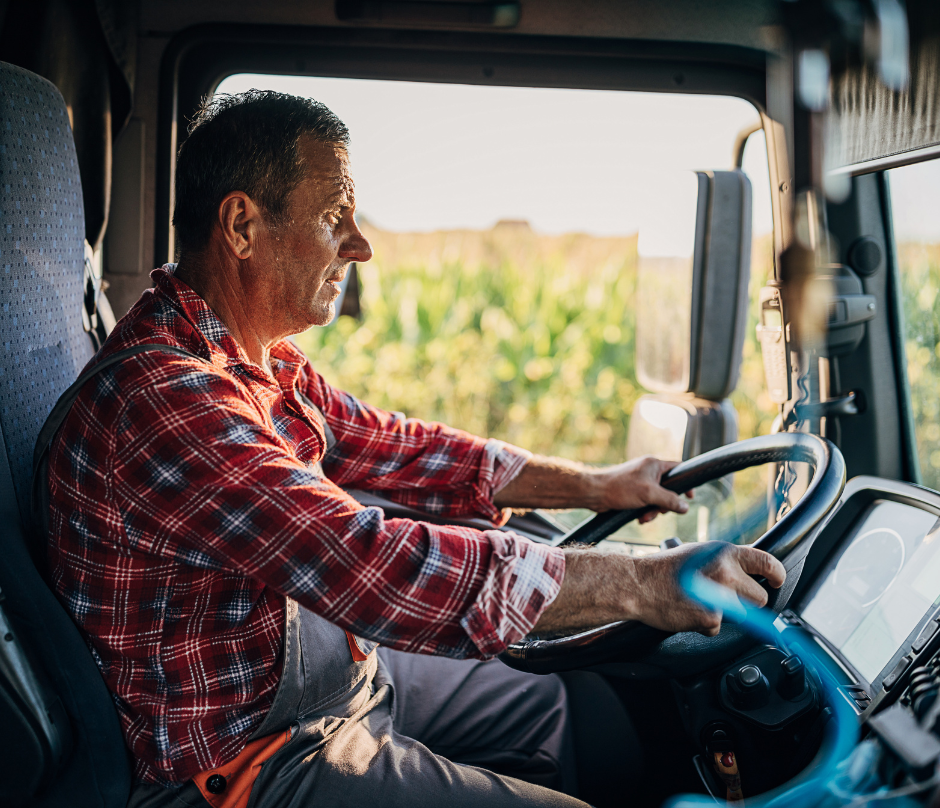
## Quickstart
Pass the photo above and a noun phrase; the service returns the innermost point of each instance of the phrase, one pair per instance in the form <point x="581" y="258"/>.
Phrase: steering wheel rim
<point x="629" y="639"/>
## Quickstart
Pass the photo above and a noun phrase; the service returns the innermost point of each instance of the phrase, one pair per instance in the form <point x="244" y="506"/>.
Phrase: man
<point x="233" y="593"/>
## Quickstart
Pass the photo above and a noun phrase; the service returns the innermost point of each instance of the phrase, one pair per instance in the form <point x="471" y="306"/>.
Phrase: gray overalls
<point x="357" y="727"/>
<point x="393" y="730"/>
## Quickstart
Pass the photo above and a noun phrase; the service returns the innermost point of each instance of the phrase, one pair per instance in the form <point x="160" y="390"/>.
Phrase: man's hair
<point x="246" y="142"/>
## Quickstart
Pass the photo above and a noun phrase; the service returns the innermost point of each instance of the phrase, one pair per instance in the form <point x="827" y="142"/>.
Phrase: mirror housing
<point x="692" y="275"/>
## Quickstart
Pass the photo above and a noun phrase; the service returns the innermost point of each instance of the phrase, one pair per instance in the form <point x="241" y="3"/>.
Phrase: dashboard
<point x="869" y="592"/>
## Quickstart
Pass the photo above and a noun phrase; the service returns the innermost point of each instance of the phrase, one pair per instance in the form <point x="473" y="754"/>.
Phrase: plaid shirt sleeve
<point x="428" y="466"/>
<point x="206" y="478"/>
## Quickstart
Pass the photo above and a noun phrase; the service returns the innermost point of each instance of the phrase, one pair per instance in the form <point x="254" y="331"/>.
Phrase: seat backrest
<point x="43" y="346"/>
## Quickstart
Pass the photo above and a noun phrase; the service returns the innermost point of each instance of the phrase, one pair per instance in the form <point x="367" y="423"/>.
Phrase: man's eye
<point x="333" y="217"/>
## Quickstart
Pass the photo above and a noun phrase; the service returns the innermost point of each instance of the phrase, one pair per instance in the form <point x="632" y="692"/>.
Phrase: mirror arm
<point x="740" y="142"/>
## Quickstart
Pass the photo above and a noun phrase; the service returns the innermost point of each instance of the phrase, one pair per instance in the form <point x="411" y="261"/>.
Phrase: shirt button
<point x="216" y="784"/>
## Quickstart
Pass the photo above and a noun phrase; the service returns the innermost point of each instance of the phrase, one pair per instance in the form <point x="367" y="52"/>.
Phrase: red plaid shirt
<point x="187" y="503"/>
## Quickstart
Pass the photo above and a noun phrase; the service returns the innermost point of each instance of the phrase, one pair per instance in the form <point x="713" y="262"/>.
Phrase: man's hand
<point x="603" y="587"/>
<point x="659" y="601"/>
<point x="550" y="482"/>
<point x="635" y="484"/>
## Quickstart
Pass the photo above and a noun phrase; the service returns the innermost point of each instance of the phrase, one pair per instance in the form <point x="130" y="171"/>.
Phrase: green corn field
<point x="505" y="333"/>
<point x="530" y="338"/>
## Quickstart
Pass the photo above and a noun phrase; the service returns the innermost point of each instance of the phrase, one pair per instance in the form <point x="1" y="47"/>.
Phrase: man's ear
<point x="241" y="221"/>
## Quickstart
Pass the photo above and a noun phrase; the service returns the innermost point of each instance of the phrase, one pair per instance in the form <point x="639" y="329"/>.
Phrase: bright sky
<point x="443" y="156"/>
<point x="915" y="201"/>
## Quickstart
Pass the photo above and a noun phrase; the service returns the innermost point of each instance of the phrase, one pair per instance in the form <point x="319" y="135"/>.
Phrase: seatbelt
<point x="97" y="318"/>
<point x="40" y="490"/>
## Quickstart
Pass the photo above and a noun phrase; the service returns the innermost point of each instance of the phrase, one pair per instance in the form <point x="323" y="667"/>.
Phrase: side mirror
<point x="694" y="259"/>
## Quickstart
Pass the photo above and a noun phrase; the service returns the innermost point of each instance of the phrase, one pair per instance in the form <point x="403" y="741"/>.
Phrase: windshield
<point x="501" y="298"/>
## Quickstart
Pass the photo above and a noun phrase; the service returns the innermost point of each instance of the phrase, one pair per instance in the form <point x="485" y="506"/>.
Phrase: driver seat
<point x="61" y="742"/>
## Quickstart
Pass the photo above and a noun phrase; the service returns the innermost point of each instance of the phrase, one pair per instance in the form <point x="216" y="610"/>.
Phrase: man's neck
<point x="219" y="285"/>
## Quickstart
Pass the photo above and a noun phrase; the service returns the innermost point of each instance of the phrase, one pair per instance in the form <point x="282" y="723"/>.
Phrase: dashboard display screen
<point x="886" y="578"/>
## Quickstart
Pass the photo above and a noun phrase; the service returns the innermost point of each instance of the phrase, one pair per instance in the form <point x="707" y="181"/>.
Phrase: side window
<point x="915" y="208"/>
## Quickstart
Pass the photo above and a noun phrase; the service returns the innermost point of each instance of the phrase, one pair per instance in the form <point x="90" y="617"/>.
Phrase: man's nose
<point x="356" y="247"/>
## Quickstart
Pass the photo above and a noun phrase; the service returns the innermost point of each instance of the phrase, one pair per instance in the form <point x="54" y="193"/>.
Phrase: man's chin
<point x="324" y="315"/>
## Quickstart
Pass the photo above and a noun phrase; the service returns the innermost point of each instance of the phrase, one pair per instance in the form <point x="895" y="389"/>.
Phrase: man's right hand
<point x="659" y="601"/>
<point x="600" y="588"/>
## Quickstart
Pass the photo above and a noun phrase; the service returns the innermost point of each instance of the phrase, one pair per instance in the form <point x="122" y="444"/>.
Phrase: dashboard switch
<point x="892" y="678"/>
<point x="792" y="680"/>
<point x="749" y="676"/>
<point x="924" y="637"/>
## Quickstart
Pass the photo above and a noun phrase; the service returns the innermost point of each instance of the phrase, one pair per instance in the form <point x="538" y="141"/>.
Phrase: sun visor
<point x="694" y="257"/>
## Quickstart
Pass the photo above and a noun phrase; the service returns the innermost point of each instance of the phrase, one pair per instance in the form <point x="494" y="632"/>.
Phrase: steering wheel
<point x="651" y="651"/>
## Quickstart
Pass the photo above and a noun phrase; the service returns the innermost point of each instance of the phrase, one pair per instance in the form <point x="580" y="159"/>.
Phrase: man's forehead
<point x="327" y="166"/>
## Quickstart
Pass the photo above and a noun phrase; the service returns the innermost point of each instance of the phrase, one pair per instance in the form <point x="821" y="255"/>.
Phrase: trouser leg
<point x="367" y="762"/>
<point x="485" y="714"/>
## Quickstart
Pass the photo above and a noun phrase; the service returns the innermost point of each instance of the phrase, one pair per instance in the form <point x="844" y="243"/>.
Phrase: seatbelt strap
<point x="328" y="433"/>
<point x="39" y="498"/>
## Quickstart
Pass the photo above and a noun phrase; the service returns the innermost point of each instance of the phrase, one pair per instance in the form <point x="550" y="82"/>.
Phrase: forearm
<point x="552" y="482"/>
<point x="596" y="589"/>
<point x="601" y="588"/>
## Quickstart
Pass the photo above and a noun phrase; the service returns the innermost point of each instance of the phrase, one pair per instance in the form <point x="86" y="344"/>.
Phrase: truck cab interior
<point x="802" y="399"/>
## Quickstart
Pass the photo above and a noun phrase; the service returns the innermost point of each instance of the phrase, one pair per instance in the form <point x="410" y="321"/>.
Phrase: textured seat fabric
<point x="43" y="346"/>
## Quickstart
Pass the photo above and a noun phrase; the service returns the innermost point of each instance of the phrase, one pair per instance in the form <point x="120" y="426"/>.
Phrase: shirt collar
<point x="222" y="348"/>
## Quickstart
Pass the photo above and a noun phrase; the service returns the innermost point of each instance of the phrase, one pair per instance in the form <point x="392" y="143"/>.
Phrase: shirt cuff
<point x="522" y="579"/>
<point x="501" y="464"/>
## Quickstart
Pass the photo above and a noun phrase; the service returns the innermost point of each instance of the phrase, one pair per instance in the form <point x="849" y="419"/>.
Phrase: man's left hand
<point x="635" y="484"/>
<point x="550" y="482"/>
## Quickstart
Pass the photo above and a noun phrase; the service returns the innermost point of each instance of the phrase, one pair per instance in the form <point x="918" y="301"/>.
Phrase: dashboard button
<point x="924" y="637"/>
<point x="892" y="678"/>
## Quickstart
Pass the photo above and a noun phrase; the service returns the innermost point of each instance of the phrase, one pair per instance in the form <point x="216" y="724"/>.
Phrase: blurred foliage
<point x="510" y="334"/>
<point x="919" y="266"/>
<point x="530" y="338"/>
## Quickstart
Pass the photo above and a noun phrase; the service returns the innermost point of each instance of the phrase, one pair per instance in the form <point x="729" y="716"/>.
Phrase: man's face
<point x="308" y="254"/>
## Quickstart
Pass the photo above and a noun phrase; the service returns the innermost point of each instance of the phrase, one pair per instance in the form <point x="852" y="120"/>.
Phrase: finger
<point x="747" y="588"/>
<point x="757" y="562"/>
<point x="650" y="515"/>
<point x="690" y="494"/>
<point x="710" y="624"/>
<point x="666" y="500"/>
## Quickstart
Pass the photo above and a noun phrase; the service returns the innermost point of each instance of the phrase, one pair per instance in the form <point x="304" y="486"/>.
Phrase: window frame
<point x="885" y="165"/>
<point x="199" y="58"/>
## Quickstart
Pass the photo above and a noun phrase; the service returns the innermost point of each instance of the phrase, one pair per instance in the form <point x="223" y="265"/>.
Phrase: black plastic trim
<point x="198" y="58"/>
<point x="909" y="459"/>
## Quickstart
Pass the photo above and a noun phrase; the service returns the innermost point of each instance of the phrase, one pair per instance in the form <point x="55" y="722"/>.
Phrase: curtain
<point x="869" y="121"/>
